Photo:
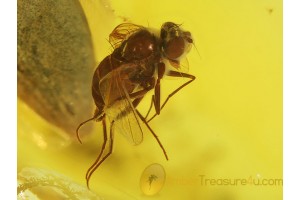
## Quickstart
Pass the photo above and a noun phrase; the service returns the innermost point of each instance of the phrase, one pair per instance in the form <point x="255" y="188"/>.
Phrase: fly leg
<point x="135" y="104"/>
<point x="155" y="100"/>
<point x="150" y="108"/>
<point x="173" y="74"/>
<point x="155" y="136"/>
<point x="98" y="116"/>
<point x="98" y="162"/>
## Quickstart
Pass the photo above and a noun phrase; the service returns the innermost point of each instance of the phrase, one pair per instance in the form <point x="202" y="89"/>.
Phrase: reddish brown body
<point x="139" y="61"/>
<point x="134" y="61"/>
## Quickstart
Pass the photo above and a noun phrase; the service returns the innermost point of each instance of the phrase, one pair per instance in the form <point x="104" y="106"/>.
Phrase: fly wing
<point x="127" y="121"/>
<point x="122" y="32"/>
<point x="130" y="126"/>
<point x="119" y="106"/>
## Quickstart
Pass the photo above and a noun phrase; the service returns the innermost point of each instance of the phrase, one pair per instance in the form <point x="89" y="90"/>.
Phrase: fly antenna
<point x="197" y="50"/>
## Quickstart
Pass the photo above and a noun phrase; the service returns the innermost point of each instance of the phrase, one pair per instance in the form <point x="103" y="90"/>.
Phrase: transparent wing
<point x="114" y="90"/>
<point x="121" y="32"/>
<point x="129" y="124"/>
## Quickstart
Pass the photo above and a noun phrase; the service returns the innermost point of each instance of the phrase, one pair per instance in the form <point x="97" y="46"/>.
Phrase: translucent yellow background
<point x="226" y="124"/>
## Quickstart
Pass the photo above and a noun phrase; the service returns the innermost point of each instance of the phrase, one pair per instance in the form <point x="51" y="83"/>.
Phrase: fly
<point x="136" y="66"/>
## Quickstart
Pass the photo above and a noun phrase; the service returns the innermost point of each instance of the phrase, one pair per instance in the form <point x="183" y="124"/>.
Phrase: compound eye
<point x="174" y="48"/>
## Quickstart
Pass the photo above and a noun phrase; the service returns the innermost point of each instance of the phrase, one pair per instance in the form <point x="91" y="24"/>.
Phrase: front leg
<point x="156" y="98"/>
<point x="174" y="74"/>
